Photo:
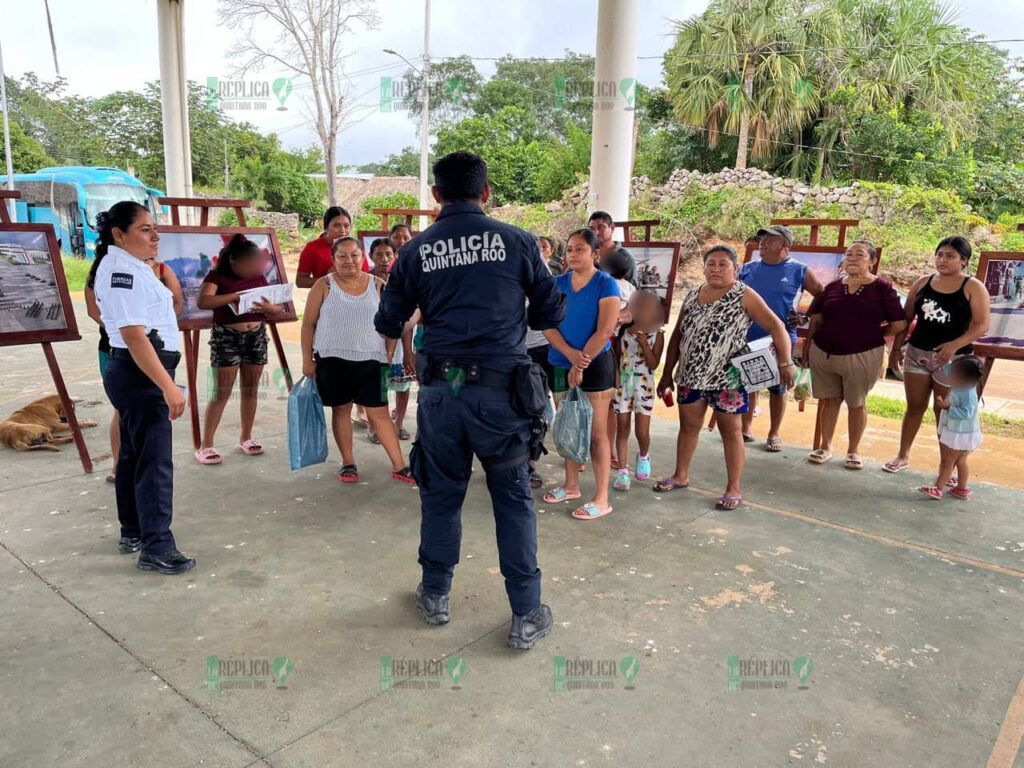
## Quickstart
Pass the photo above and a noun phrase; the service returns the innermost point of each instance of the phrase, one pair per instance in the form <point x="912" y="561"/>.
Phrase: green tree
<point x="739" y="68"/>
<point x="27" y="154"/>
<point x="454" y="83"/>
<point x="404" y="163"/>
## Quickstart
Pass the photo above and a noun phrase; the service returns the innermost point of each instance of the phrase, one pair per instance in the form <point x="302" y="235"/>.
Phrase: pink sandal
<point x="208" y="456"/>
<point x="931" y="492"/>
<point x="962" y="494"/>
<point x="251" y="447"/>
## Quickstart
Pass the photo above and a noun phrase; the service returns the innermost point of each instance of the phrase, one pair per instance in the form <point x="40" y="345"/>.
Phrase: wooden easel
<point x="51" y="359"/>
<point x="191" y="336"/>
<point x="647" y="224"/>
<point x="407" y="213"/>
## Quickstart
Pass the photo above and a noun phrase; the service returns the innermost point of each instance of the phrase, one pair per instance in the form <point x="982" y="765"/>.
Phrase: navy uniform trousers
<point x="451" y="428"/>
<point x="144" y="481"/>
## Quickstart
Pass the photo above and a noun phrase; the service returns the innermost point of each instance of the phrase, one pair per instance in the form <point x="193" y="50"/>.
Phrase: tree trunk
<point x="331" y="168"/>
<point x="744" y="138"/>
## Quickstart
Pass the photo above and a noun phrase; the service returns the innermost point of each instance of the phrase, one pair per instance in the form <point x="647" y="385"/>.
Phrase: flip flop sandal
<point x="403" y="434"/>
<point x="622" y="481"/>
<point x="559" y="495"/>
<point x="372" y="437"/>
<point x="251" y="447"/>
<point x="668" y="485"/>
<point x="749" y="438"/>
<point x="961" y="494"/>
<point x="208" y="456"/>
<point x="773" y="445"/>
<point x="589" y="511"/>
<point x="111" y="479"/>
<point x="854" y="461"/>
<point x="348" y="474"/>
<point x="403" y="475"/>
<point x="894" y="466"/>
<point x="728" y="503"/>
<point x="931" y="491"/>
<point x="819" y="456"/>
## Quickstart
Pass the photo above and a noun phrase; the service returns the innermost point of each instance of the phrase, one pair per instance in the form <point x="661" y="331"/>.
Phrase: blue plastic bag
<point x="307" y="429"/>
<point x="571" y="429"/>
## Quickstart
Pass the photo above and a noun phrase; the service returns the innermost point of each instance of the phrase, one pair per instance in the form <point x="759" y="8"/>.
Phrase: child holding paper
<point x="236" y="341"/>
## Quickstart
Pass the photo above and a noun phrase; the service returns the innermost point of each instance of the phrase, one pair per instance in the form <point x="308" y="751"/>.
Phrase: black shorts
<point x="230" y="348"/>
<point x="341" y="382"/>
<point x="539" y="355"/>
<point x="597" y="377"/>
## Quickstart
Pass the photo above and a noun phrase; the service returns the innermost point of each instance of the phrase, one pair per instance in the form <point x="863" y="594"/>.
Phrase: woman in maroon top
<point x="846" y="343"/>
<point x="236" y="341"/>
<point x="316" y="260"/>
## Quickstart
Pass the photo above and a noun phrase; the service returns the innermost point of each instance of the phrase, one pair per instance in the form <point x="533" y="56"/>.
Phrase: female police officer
<point x="138" y="312"/>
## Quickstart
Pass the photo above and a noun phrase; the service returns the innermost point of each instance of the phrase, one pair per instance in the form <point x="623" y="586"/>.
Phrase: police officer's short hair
<point x="460" y="176"/>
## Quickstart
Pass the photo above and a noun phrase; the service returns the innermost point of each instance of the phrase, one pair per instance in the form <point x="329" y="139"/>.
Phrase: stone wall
<point x="855" y="200"/>
<point x="289" y="222"/>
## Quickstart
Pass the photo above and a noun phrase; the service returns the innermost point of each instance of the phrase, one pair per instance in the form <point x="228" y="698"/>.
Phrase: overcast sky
<point x="108" y="45"/>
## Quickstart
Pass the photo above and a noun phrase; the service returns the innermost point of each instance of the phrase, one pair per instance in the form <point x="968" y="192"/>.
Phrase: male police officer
<point x="471" y="276"/>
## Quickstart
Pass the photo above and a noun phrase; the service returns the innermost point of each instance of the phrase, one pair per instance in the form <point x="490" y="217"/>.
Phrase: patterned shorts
<point x="720" y="400"/>
<point x="230" y="348"/>
<point x="635" y="396"/>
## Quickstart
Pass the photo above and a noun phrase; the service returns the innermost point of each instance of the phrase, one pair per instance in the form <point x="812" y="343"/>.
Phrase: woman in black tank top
<point x="947" y="312"/>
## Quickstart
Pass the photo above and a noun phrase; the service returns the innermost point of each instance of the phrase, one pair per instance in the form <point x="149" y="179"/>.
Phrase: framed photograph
<point x="656" y="265"/>
<point x="35" y="305"/>
<point x="192" y="251"/>
<point x="825" y="261"/>
<point x="1003" y="276"/>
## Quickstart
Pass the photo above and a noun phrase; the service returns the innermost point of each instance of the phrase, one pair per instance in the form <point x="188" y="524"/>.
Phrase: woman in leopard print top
<point x="711" y="330"/>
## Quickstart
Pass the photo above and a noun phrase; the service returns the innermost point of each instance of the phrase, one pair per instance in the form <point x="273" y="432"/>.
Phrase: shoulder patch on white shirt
<point x="122" y="280"/>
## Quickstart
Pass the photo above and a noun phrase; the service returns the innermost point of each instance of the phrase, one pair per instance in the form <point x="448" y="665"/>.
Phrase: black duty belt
<point x="168" y="360"/>
<point x="471" y="373"/>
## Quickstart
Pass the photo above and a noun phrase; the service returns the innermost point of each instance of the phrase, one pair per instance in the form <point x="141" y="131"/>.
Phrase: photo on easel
<point x="191" y="252"/>
<point x="1003" y="277"/>
<point x="656" y="265"/>
<point x="35" y="304"/>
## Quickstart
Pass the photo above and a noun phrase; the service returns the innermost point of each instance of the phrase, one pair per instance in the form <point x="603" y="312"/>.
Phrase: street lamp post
<point x="425" y="201"/>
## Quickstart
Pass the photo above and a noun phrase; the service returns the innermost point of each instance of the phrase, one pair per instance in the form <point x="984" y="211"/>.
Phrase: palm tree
<point x="740" y="68"/>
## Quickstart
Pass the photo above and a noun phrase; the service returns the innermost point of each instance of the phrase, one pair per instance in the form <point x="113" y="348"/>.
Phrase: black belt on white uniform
<point x="168" y="360"/>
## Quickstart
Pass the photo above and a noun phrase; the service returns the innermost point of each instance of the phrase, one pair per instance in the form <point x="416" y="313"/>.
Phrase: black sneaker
<point x="170" y="563"/>
<point x="433" y="608"/>
<point x="127" y="545"/>
<point x="527" y="630"/>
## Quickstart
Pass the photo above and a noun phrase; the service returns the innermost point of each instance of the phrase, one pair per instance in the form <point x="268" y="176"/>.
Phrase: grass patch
<point x="991" y="423"/>
<point x="75" y="270"/>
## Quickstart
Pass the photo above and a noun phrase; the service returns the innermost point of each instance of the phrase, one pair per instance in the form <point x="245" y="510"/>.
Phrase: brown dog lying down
<point x="39" y="426"/>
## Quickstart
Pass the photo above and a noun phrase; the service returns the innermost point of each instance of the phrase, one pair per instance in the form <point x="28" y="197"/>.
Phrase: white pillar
<point x="611" y="144"/>
<point x="426" y="201"/>
<point x="174" y="98"/>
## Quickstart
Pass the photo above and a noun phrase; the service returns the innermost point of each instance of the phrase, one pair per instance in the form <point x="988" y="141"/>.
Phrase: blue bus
<point x="69" y="197"/>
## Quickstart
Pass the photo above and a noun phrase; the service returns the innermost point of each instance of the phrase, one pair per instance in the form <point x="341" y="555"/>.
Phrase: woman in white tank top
<point x="349" y="360"/>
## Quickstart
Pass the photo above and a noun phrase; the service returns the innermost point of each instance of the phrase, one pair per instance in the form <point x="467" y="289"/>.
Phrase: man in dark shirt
<point x="471" y="277"/>
<point x="601" y="224"/>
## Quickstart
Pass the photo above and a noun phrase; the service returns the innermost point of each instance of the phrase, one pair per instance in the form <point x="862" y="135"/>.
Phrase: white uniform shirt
<point x="128" y="293"/>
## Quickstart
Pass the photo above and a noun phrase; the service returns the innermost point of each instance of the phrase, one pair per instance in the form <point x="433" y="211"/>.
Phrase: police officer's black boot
<point x="433" y="608"/>
<point x="127" y="545"/>
<point x="527" y="630"/>
<point x="170" y="563"/>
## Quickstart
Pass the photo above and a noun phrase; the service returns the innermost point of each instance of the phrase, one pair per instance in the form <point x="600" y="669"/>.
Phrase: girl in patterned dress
<point x="642" y="343"/>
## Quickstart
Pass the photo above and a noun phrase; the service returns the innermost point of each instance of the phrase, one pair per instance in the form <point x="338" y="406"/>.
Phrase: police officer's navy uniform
<point x="129" y="294"/>
<point x="470" y="275"/>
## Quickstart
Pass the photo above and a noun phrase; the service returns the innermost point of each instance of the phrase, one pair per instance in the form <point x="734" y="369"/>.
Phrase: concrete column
<point x="174" y="98"/>
<point x="611" y="146"/>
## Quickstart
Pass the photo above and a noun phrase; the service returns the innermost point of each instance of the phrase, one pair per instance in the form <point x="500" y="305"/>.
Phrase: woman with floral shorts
<point x="711" y="330"/>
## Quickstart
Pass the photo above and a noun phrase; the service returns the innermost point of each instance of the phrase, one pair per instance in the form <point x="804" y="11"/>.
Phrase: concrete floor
<point x="909" y="610"/>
